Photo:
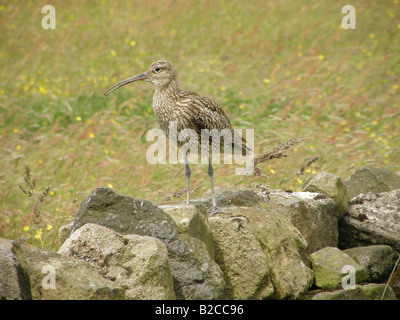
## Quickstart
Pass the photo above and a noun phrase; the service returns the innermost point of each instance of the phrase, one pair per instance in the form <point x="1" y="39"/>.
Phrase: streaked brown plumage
<point x="189" y="111"/>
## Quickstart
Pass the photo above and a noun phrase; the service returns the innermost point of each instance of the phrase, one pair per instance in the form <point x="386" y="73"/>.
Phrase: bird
<point x="188" y="110"/>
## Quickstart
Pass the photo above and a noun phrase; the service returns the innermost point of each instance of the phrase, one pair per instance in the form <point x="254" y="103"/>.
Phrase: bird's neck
<point x="168" y="91"/>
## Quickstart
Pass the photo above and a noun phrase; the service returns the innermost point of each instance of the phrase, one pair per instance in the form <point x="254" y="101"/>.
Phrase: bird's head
<point x="160" y="73"/>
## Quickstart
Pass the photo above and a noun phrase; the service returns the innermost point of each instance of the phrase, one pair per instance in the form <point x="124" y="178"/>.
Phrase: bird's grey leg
<point x="211" y="175"/>
<point x="214" y="209"/>
<point x="187" y="173"/>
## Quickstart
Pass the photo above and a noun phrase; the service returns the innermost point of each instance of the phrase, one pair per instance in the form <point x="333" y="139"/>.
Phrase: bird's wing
<point x="208" y="115"/>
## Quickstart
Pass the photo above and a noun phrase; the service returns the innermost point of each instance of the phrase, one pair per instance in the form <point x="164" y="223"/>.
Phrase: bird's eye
<point x="157" y="69"/>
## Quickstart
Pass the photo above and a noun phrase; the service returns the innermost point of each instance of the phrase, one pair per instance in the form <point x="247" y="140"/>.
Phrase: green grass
<point x="283" y="68"/>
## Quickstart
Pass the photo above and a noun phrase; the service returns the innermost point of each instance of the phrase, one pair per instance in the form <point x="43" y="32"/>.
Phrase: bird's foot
<point x="215" y="210"/>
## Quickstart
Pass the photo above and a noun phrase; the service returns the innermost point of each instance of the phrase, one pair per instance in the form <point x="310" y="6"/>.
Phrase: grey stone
<point x="139" y="264"/>
<point x="15" y="282"/>
<point x="237" y="198"/>
<point x="126" y="215"/>
<point x="333" y="187"/>
<point x="328" y="264"/>
<point x="370" y="291"/>
<point x="369" y="179"/>
<point x="313" y="214"/>
<point x="199" y="275"/>
<point x="63" y="232"/>
<point x="395" y="279"/>
<point x="372" y="219"/>
<point x="377" y="260"/>
<point x="75" y="279"/>
<point x="284" y="248"/>
<point x="192" y="222"/>
<point x="203" y="278"/>
<point x="241" y="258"/>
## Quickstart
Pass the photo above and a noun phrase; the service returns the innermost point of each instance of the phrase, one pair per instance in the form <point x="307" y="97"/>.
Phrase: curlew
<point x="188" y="110"/>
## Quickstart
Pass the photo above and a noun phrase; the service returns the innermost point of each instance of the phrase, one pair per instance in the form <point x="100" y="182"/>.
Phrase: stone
<point x="369" y="179"/>
<point x="370" y="291"/>
<point x="241" y="258"/>
<point x="125" y="214"/>
<point x="228" y="198"/>
<point x="372" y="219"/>
<point x="195" y="274"/>
<point x="63" y="232"/>
<point x="395" y="280"/>
<point x="15" y="282"/>
<point x="192" y="222"/>
<point x="199" y="275"/>
<point x="147" y="260"/>
<point x="313" y="214"/>
<point x="284" y="248"/>
<point x="328" y="264"/>
<point x="377" y="260"/>
<point x="139" y="264"/>
<point x="75" y="279"/>
<point x="218" y="191"/>
<point x="331" y="186"/>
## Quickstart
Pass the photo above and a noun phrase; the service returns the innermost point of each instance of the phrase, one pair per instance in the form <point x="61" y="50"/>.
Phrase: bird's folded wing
<point x="211" y="117"/>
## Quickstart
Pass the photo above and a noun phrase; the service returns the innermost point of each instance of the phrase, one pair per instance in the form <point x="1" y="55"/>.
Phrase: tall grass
<point x="283" y="68"/>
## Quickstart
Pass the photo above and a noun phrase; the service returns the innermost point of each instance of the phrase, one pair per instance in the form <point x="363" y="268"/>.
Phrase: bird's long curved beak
<point x="142" y="76"/>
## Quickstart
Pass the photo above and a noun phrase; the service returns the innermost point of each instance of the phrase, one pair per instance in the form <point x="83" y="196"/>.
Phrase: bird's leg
<point x="187" y="173"/>
<point x="214" y="209"/>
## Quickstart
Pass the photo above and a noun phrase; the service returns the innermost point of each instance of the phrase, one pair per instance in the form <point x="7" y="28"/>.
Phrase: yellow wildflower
<point x="271" y="170"/>
<point x="38" y="234"/>
<point x="42" y="90"/>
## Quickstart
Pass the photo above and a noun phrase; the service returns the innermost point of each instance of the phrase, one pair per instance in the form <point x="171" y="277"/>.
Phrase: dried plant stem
<point x="276" y="153"/>
<point x="309" y="163"/>
<point x="30" y="183"/>
<point x="29" y="192"/>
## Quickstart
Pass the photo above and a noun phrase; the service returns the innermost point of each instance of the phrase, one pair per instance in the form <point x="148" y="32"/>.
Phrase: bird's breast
<point x="164" y="114"/>
<point x="169" y="114"/>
